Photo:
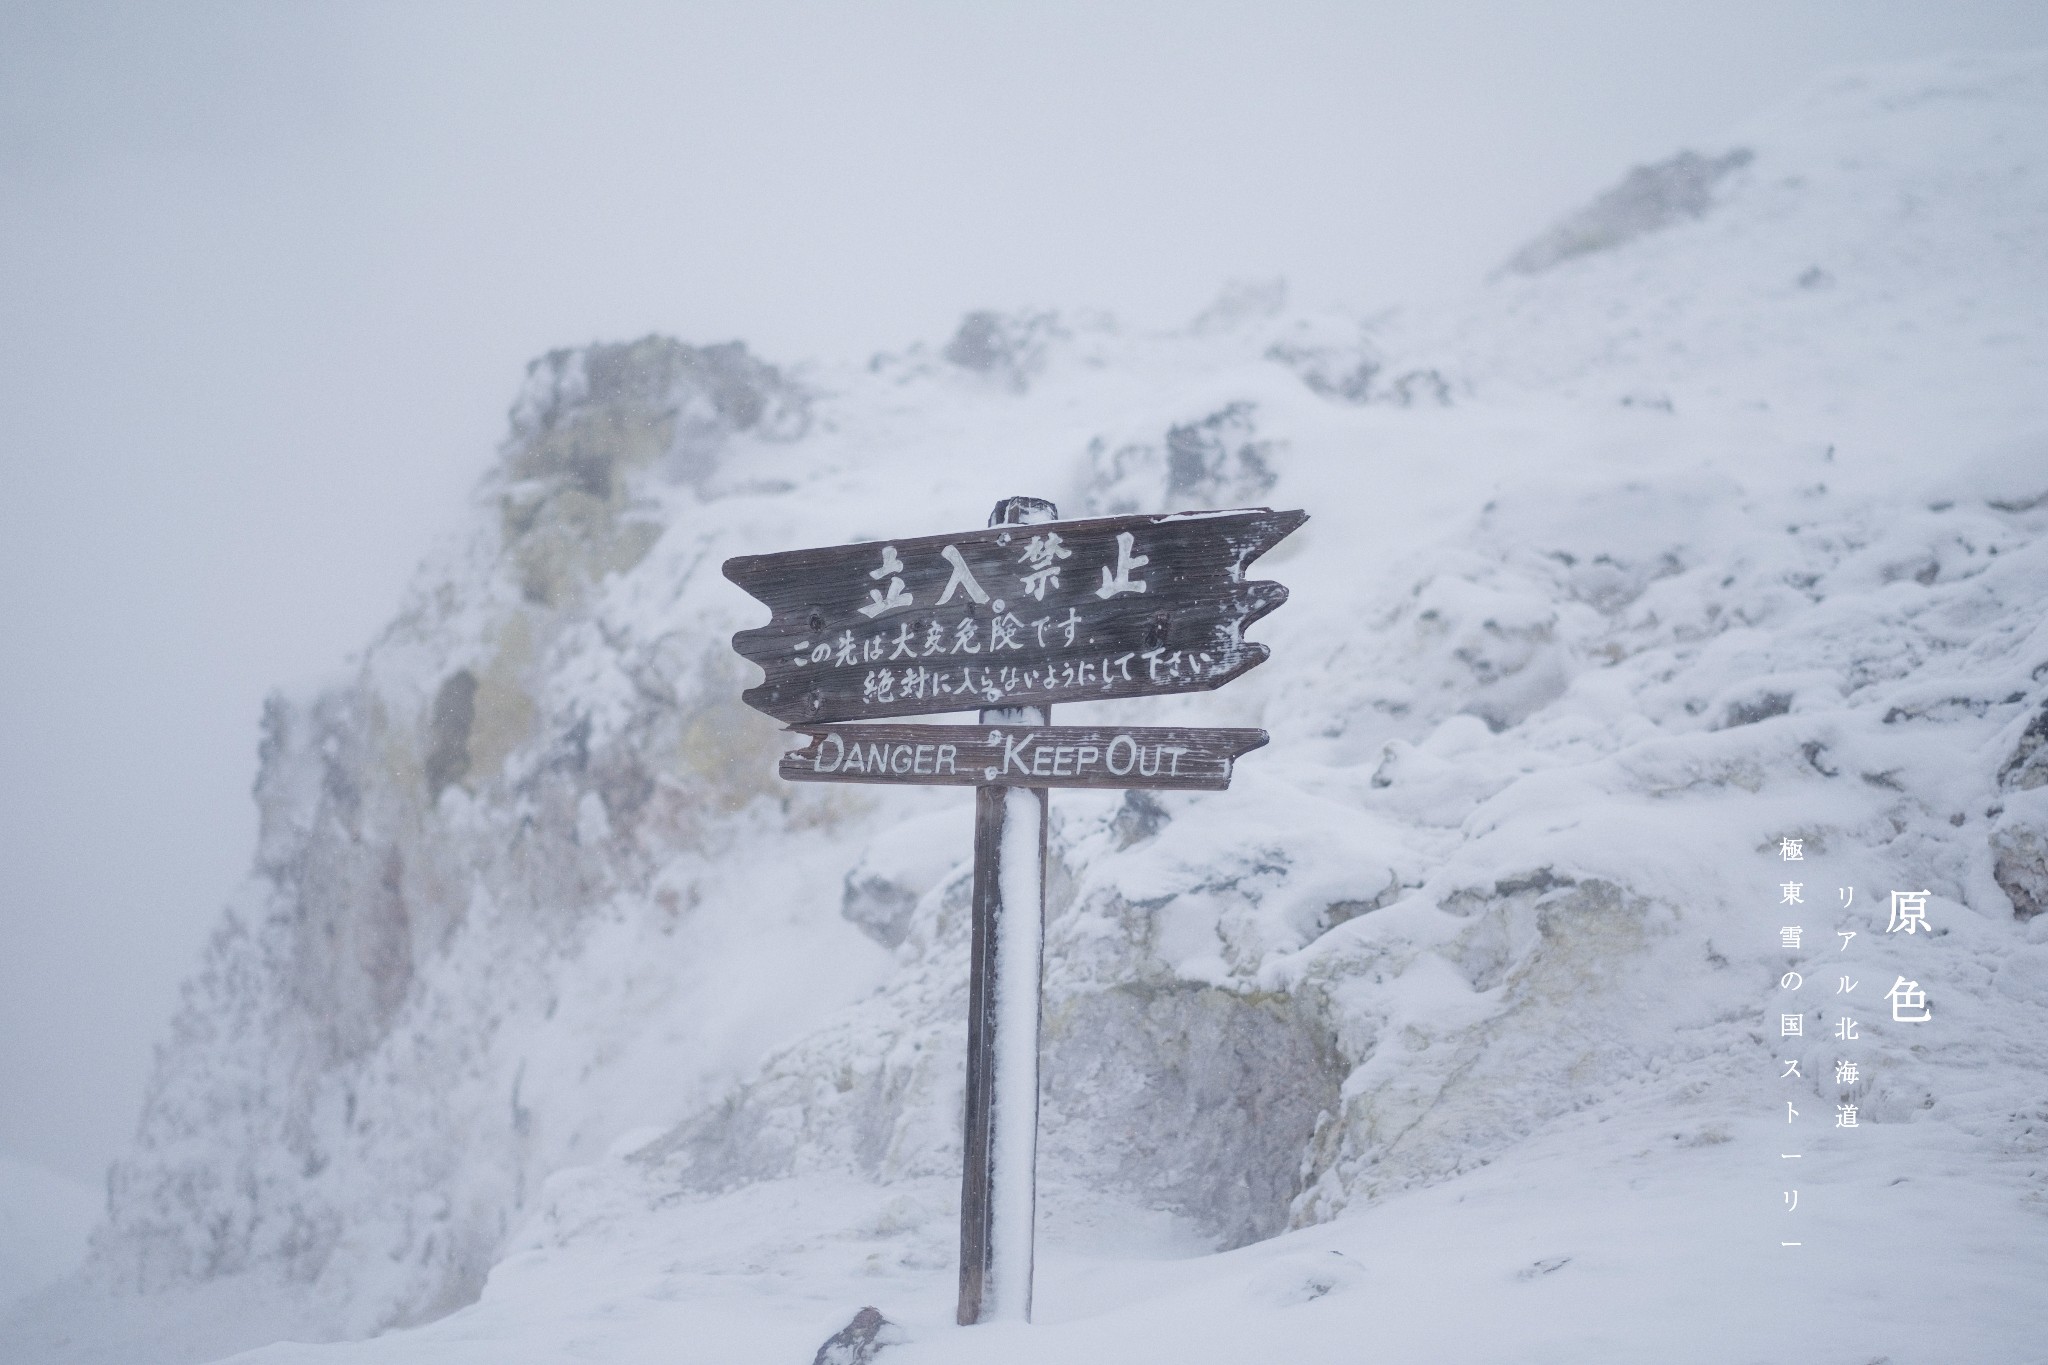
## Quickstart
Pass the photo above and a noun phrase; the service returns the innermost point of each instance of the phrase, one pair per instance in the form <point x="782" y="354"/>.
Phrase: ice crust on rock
<point x="545" y="997"/>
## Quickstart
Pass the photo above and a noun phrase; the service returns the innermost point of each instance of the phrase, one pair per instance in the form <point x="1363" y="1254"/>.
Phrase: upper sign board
<point x="1013" y="615"/>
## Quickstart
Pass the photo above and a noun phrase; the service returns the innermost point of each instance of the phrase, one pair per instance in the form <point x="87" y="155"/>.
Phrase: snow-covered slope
<point x="1716" y="520"/>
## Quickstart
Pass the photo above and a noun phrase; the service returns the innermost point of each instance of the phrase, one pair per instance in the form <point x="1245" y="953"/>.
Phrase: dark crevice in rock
<point x="448" y="724"/>
<point x="2027" y="766"/>
<point x="1755" y="709"/>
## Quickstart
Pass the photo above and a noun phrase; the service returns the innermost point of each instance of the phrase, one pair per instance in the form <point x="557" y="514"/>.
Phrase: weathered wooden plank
<point x="1107" y="756"/>
<point x="1121" y="607"/>
<point x="1198" y="657"/>
<point x="1074" y="562"/>
<point x="1022" y="630"/>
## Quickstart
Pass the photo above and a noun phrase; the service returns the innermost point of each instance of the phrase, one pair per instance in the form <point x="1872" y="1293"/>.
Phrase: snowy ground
<point x="44" y="1219"/>
<point x="1726" y="527"/>
<point x="1622" y="1240"/>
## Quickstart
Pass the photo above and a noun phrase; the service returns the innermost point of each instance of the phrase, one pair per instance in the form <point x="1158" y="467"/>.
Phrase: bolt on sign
<point x="1006" y="621"/>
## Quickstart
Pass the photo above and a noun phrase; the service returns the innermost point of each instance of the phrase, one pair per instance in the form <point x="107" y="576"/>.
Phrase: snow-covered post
<point x="999" y="1184"/>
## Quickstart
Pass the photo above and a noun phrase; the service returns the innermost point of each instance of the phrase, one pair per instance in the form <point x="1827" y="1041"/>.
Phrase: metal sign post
<point x="1007" y="621"/>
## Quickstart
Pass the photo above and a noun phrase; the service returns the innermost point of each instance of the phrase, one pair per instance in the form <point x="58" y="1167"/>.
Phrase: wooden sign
<point x="1021" y="756"/>
<point x="1006" y="621"/>
<point x="1014" y="615"/>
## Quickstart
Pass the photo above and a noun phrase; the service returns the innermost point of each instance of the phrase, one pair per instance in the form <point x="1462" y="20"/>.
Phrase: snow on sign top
<point x="1016" y="615"/>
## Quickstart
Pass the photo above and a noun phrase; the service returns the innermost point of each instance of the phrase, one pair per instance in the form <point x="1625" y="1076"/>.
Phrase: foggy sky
<point x="269" y="275"/>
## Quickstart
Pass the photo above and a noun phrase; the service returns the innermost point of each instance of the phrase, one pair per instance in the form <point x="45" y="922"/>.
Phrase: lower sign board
<point x="1158" y="757"/>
